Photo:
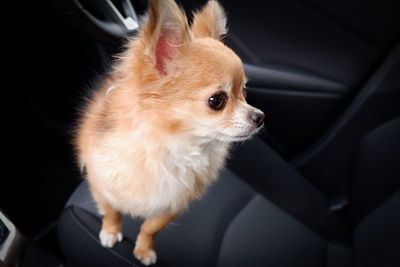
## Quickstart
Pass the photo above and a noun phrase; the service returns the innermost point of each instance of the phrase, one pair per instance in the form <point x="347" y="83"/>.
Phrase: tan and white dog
<point x="155" y="133"/>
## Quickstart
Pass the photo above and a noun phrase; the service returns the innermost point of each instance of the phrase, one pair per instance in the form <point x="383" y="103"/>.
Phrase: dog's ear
<point x="210" y="21"/>
<point x="164" y="32"/>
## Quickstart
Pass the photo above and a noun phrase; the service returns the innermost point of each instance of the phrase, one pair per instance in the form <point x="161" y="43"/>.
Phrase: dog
<point x="154" y="134"/>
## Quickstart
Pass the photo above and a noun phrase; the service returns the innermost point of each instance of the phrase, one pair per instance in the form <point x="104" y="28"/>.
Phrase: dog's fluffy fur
<point x="148" y="139"/>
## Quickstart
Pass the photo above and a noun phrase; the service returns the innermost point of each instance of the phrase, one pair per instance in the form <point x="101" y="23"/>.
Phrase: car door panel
<point x="294" y="99"/>
<point x="305" y="62"/>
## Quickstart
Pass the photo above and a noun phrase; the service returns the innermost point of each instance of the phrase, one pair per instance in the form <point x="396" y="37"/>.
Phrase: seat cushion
<point x="377" y="237"/>
<point x="264" y="235"/>
<point x="232" y="225"/>
<point x="375" y="198"/>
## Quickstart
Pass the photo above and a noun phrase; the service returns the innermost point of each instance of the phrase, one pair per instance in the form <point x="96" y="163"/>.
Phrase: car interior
<point x="318" y="186"/>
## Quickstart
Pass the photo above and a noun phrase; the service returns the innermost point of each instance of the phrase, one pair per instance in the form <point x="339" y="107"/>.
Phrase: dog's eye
<point x="244" y="92"/>
<point x="217" y="101"/>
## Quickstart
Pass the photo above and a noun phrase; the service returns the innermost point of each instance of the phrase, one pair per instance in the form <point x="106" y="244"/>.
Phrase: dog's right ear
<point x="165" y="31"/>
<point x="210" y="21"/>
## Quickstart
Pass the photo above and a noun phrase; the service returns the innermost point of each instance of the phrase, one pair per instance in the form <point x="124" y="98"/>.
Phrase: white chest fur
<point x="186" y="170"/>
<point x="196" y="160"/>
<point x="168" y="179"/>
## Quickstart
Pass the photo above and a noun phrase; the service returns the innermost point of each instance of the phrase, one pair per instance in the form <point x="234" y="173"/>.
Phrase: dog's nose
<point x="257" y="117"/>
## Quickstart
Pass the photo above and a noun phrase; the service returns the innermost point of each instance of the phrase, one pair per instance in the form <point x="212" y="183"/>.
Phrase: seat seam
<point x="97" y="241"/>
<point x="230" y="223"/>
<point x="382" y="203"/>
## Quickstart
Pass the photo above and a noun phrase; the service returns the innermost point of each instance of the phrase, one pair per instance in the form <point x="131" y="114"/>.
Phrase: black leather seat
<point x="275" y="218"/>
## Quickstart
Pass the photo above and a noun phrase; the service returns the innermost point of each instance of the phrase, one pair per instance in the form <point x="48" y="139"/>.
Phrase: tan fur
<point x="210" y="21"/>
<point x="145" y="240"/>
<point x="147" y="139"/>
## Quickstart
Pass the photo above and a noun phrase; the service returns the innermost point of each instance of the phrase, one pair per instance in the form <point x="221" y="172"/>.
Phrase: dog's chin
<point x="238" y="137"/>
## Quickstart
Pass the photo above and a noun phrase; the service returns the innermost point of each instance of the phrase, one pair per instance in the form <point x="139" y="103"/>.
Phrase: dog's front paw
<point x="108" y="240"/>
<point x="146" y="256"/>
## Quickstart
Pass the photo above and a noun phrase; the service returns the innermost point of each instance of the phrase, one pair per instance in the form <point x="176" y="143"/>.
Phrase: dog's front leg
<point x="144" y="248"/>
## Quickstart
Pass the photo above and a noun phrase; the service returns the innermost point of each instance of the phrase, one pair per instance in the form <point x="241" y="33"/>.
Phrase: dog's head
<point x="188" y="79"/>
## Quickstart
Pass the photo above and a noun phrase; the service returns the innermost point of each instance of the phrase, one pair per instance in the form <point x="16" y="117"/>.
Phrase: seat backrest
<point x="376" y="174"/>
<point x="375" y="198"/>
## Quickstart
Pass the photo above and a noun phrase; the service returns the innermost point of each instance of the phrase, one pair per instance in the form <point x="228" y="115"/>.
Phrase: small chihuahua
<point x="155" y="133"/>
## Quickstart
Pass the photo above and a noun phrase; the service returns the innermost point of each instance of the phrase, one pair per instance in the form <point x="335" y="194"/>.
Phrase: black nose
<point x="257" y="117"/>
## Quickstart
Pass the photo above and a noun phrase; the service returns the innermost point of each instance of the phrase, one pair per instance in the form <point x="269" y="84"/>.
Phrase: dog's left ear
<point x="210" y="21"/>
